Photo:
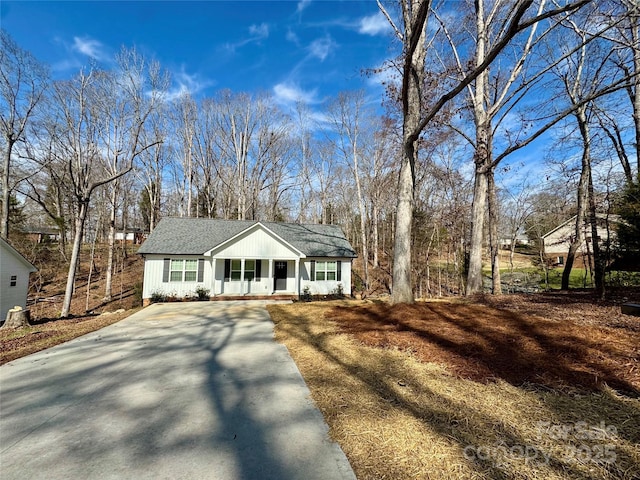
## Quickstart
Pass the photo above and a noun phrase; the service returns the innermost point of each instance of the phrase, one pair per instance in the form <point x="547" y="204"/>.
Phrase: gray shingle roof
<point x="195" y="236"/>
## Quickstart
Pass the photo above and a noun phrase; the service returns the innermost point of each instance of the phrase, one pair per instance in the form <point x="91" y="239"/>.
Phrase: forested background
<point x="526" y="113"/>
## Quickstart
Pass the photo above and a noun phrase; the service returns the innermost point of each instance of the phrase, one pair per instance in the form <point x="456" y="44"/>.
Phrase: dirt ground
<point x="45" y="304"/>
<point x="555" y="340"/>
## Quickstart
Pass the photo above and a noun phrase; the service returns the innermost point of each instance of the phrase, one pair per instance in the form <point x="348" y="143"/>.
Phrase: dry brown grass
<point x="397" y="417"/>
<point x="48" y="330"/>
<point x="17" y="343"/>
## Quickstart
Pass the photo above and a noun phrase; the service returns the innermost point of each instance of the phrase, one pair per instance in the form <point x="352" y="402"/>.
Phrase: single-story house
<point x="245" y="258"/>
<point x="557" y="241"/>
<point x="14" y="285"/>
<point x="40" y="234"/>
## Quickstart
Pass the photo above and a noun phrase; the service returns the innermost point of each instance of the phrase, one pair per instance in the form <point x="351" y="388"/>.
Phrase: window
<point x="14" y="280"/>
<point x="236" y="269"/>
<point x="183" y="270"/>
<point x="326" y="271"/>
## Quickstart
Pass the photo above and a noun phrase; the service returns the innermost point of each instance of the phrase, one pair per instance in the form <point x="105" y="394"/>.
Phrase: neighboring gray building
<point x="241" y="258"/>
<point x="14" y="283"/>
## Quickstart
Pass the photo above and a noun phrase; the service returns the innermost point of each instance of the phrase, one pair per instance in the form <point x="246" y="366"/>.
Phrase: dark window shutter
<point x="339" y="272"/>
<point x="313" y="271"/>
<point x="227" y="269"/>
<point x="258" y="270"/>
<point x="165" y="270"/>
<point x="200" y="269"/>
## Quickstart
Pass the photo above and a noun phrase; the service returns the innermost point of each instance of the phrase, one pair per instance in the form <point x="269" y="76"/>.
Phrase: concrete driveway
<point x="183" y="390"/>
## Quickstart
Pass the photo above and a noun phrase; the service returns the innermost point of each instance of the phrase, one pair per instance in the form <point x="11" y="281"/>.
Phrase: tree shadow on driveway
<point x="177" y="391"/>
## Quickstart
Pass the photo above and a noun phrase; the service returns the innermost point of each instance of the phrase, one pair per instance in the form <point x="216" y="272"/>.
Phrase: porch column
<point x="213" y="277"/>
<point x="297" y="276"/>
<point x="242" y="276"/>
<point x="271" y="289"/>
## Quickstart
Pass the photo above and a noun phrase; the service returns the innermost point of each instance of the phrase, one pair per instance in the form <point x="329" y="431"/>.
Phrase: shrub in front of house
<point x="158" y="297"/>
<point x="306" y="294"/>
<point x="202" y="293"/>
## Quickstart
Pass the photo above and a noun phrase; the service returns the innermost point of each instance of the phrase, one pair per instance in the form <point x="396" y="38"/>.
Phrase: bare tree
<point x="79" y="145"/>
<point x="347" y="115"/>
<point x="124" y="107"/>
<point x="184" y="121"/>
<point x="151" y="164"/>
<point x="418" y="112"/>
<point x="23" y="81"/>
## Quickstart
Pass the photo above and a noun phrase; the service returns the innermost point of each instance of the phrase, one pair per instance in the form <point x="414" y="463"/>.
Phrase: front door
<point x="280" y="276"/>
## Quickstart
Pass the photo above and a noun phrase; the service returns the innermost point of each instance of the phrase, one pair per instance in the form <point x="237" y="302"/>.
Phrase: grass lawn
<point x="456" y="390"/>
<point x="576" y="278"/>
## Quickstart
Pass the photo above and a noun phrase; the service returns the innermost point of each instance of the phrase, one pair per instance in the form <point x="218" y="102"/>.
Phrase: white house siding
<point x="153" y="271"/>
<point x="327" y="286"/>
<point x="11" y="265"/>
<point x="557" y="242"/>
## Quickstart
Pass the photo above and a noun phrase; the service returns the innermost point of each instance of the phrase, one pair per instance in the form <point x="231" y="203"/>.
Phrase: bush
<point x="202" y="293"/>
<point x="306" y="294"/>
<point x="158" y="297"/>
<point x="337" y="292"/>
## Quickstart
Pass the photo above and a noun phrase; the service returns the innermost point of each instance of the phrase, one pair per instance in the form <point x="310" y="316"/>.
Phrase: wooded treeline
<point x="421" y="189"/>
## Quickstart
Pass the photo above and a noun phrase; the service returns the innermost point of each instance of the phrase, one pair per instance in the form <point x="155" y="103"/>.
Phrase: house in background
<point x="14" y="282"/>
<point x="40" y="234"/>
<point x="557" y="241"/>
<point x="131" y="235"/>
<point x="245" y="258"/>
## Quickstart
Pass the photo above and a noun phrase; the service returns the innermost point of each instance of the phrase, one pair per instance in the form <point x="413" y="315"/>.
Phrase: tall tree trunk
<point x="634" y="91"/>
<point x="363" y="219"/>
<point x="413" y="81"/>
<point x="75" y="256"/>
<point x="482" y="158"/>
<point x="376" y="241"/>
<point x="598" y="259"/>
<point x="494" y="241"/>
<point x="402" y="290"/>
<point x="583" y="196"/>
<point x="478" y="210"/>
<point x="4" y="222"/>
<point x="111" y="243"/>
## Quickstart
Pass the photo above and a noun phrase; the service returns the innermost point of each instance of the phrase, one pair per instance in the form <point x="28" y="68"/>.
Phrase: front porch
<point x="255" y="277"/>
<point x="279" y="297"/>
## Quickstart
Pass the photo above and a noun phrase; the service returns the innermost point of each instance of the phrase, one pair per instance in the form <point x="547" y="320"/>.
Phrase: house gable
<point x="14" y="278"/>
<point x="256" y="241"/>
<point x="7" y="249"/>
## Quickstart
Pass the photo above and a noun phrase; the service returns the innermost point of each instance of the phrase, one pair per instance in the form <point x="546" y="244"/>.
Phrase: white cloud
<point x="287" y="93"/>
<point x="186" y="83"/>
<point x="302" y="4"/>
<point x="374" y="24"/>
<point x="292" y="37"/>
<point x="256" y="33"/>
<point x="259" y="31"/>
<point x="90" y="47"/>
<point x="321" y="47"/>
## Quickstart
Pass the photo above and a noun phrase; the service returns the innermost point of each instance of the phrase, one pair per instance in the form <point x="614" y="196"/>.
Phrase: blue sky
<point x="296" y="50"/>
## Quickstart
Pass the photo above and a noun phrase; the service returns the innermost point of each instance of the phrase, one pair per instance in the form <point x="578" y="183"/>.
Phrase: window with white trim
<point x="183" y="270"/>
<point x="326" y="270"/>
<point x="14" y="281"/>
<point x="236" y="269"/>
